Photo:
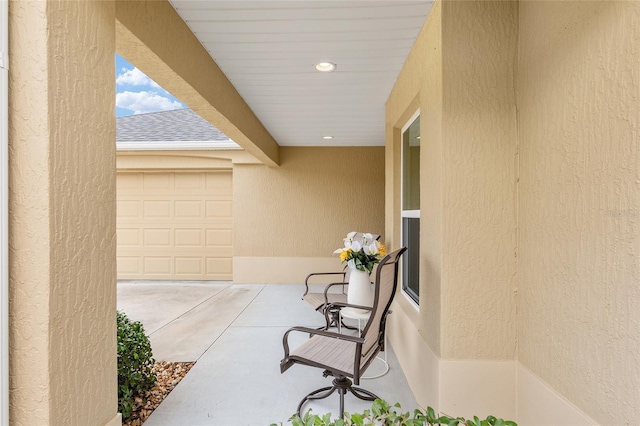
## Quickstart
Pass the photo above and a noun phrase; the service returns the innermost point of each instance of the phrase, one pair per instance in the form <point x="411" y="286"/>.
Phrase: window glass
<point x="411" y="210"/>
<point x="411" y="167"/>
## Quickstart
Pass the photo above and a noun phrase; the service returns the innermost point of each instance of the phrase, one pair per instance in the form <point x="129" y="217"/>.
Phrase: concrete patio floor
<point x="234" y="332"/>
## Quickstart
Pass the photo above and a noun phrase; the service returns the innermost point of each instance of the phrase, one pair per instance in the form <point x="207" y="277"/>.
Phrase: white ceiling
<point x="268" y="50"/>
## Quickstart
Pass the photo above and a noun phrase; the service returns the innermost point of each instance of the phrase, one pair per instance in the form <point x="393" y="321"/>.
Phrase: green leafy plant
<point x="135" y="363"/>
<point x="381" y="413"/>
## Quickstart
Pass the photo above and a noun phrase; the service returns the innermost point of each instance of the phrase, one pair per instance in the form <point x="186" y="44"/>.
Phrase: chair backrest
<point x="385" y="282"/>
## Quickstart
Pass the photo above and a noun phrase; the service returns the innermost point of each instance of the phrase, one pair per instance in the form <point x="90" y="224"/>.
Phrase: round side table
<point x="358" y="314"/>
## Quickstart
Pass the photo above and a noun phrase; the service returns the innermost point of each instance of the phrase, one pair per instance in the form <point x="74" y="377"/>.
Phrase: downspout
<point x="4" y="212"/>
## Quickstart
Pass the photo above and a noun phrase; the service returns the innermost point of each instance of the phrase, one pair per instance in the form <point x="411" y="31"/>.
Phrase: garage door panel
<point x="157" y="209"/>
<point x="128" y="237"/>
<point x="189" y="181"/>
<point x="219" y="251"/>
<point x="174" y="225"/>
<point x="219" y="266"/>
<point x="189" y="209"/>
<point x="219" y="237"/>
<point x="158" y="181"/>
<point x="219" y="180"/>
<point x="130" y="181"/>
<point x="128" y="209"/>
<point x="129" y="265"/>
<point x="157" y="237"/>
<point x="217" y="209"/>
<point x="189" y="265"/>
<point x="157" y="265"/>
<point x="188" y="237"/>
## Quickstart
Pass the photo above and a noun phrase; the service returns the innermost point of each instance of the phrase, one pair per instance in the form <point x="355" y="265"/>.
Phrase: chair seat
<point x="317" y="299"/>
<point x="329" y="353"/>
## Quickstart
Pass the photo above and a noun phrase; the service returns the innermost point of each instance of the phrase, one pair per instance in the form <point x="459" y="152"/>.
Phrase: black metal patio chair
<point x="334" y="292"/>
<point x="346" y="357"/>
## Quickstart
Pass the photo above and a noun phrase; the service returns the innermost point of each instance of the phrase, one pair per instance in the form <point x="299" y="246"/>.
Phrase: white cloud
<point x="142" y="102"/>
<point x="135" y="77"/>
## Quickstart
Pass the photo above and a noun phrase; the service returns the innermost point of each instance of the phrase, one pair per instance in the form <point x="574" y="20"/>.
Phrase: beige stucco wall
<point x="460" y="74"/>
<point x="307" y="205"/>
<point x="579" y="202"/>
<point x="62" y="213"/>
<point x="575" y="208"/>
<point x="478" y="180"/>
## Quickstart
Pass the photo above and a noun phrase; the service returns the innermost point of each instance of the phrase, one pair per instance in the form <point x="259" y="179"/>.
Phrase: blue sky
<point x="138" y="94"/>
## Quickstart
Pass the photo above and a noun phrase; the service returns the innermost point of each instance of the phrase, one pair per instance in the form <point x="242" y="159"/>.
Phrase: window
<point x="410" y="215"/>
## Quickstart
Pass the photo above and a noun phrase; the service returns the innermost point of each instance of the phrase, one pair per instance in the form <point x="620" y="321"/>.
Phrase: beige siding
<point x="175" y="225"/>
<point x="62" y="225"/>
<point x="290" y="219"/>
<point x="579" y="204"/>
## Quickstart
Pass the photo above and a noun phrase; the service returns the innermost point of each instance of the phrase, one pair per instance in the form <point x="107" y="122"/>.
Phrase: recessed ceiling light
<point x="327" y="137"/>
<point x="325" y="66"/>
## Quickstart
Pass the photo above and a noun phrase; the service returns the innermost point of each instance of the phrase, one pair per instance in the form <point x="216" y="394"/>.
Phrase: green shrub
<point x="135" y="363"/>
<point x="381" y="413"/>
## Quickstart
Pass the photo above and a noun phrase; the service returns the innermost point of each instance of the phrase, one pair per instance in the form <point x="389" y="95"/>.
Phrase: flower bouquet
<point x="361" y="251"/>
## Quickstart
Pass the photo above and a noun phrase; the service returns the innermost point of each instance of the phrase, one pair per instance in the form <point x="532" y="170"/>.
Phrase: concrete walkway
<point x="234" y="332"/>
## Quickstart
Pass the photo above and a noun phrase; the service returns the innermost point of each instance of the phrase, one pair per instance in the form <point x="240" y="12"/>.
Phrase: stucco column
<point x="62" y="213"/>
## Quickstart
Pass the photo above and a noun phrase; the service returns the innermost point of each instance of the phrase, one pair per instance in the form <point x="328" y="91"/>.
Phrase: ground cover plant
<point x="135" y="364"/>
<point x="383" y="414"/>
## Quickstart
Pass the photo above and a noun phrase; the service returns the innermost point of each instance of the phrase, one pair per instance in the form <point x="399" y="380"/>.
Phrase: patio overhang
<point x="153" y="37"/>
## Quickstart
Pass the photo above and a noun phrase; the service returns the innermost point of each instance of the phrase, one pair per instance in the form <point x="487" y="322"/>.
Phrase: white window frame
<point x="406" y="213"/>
<point x="4" y="212"/>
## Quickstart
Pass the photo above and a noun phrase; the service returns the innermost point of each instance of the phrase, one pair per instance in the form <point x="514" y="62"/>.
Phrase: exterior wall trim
<point x="280" y="270"/>
<point x="536" y="400"/>
<point x="115" y="421"/>
<point x="4" y="213"/>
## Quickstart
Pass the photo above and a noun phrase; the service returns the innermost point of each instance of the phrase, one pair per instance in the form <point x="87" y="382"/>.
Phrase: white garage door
<point x="175" y="225"/>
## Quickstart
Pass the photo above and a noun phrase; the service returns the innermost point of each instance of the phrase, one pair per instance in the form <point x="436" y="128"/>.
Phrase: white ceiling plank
<point x="312" y="57"/>
<point x="310" y="46"/>
<point x="370" y="11"/>
<point x="292" y="126"/>
<point x="183" y="5"/>
<point x="250" y="63"/>
<point x="313" y="108"/>
<point x="268" y="49"/>
<point x="288" y="102"/>
<point x="299" y="68"/>
<point x="337" y="78"/>
<point x="206" y="37"/>
<point x="307" y="26"/>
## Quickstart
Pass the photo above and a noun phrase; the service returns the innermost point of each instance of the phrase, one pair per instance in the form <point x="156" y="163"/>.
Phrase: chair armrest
<point x="348" y="305"/>
<point x="326" y="290"/>
<point x="313" y="331"/>
<point x="306" y="280"/>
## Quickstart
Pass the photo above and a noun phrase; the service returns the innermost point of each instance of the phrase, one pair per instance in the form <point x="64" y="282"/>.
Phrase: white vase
<point x="360" y="289"/>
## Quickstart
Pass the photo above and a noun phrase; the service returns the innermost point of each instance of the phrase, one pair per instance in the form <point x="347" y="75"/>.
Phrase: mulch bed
<point x="169" y="375"/>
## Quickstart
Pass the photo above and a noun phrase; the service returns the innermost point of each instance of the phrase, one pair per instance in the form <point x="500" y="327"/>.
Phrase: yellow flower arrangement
<point x="361" y="251"/>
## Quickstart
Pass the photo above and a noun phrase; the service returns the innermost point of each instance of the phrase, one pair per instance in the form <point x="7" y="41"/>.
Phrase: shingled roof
<point x="169" y="129"/>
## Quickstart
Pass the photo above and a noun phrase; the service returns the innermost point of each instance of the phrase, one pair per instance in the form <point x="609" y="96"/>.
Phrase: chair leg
<point x="313" y="395"/>
<point x="363" y="394"/>
<point x="342" y="385"/>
